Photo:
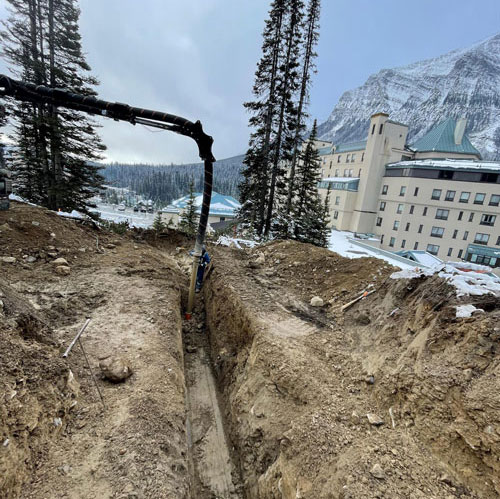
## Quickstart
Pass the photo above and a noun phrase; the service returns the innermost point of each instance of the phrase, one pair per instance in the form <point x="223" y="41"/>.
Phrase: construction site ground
<point x="259" y="395"/>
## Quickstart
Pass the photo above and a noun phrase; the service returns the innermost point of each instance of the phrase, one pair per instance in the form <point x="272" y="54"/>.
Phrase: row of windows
<point x="479" y="198"/>
<point x="442" y="214"/>
<point x="350" y="158"/>
<point x="347" y="172"/>
<point x="480" y="238"/>
<point x="433" y="249"/>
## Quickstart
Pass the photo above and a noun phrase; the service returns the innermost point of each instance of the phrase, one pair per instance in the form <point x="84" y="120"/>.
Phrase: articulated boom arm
<point x="123" y="112"/>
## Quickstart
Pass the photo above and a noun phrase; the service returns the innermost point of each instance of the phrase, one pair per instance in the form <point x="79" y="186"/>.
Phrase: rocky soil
<point x="265" y="393"/>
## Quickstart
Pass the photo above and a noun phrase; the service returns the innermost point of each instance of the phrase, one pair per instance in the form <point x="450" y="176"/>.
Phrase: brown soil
<point x="299" y="381"/>
<point x="288" y="417"/>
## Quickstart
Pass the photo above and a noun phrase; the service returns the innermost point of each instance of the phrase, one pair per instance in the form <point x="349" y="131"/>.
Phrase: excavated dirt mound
<point x="56" y="438"/>
<point x="396" y="397"/>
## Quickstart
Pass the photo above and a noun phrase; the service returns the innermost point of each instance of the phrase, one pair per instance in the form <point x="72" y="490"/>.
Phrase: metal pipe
<point x="76" y="338"/>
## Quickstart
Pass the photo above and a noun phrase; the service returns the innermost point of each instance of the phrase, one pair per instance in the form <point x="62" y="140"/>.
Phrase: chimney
<point x="459" y="130"/>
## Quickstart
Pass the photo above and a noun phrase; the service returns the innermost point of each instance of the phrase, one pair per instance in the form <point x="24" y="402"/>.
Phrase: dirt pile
<point x="394" y="398"/>
<point x="57" y="439"/>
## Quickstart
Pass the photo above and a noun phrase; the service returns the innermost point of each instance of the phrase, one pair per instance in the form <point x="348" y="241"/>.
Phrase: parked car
<point x="136" y="208"/>
<point x="121" y="207"/>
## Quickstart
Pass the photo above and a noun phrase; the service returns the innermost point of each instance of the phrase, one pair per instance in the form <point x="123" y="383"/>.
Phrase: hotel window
<point x="464" y="197"/>
<point x="346" y="172"/>
<point x="380" y="129"/>
<point x="402" y="191"/>
<point x="385" y="188"/>
<point x="471" y="217"/>
<point x="359" y="173"/>
<point x="494" y="200"/>
<point x="351" y="173"/>
<point x="455" y="234"/>
<point x="466" y="235"/>
<point x="432" y="249"/>
<point x="460" y="253"/>
<point x="330" y="165"/>
<point x="442" y="214"/>
<point x="400" y="208"/>
<point x="450" y="251"/>
<point x="420" y="227"/>
<point x="481" y="238"/>
<point x="437" y="231"/>
<point x="416" y="191"/>
<point x="379" y="221"/>
<point x="396" y="225"/>
<point x="424" y="213"/>
<point x="339" y="158"/>
<point x="392" y="241"/>
<point x="436" y="194"/>
<point x="479" y="199"/>
<point x="407" y="228"/>
<point x="488" y="220"/>
<point x="373" y="129"/>
<point x="498" y="241"/>
<point x="337" y="200"/>
<point x="335" y="215"/>
<point x="460" y="215"/>
<point x="337" y="172"/>
<point x="363" y="157"/>
<point x="347" y="160"/>
<point x="403" y="243"/>
<point x="382" y="239"/>
<point x="450" y="195"/>
<point x="382" y="206"/>
<point x="415" y="246"/>
<point x="353" y="158"/>
<point x="412" y="207"/>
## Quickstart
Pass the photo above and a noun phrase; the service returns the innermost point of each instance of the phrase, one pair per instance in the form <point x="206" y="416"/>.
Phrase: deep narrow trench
<point x="213" y="470"/>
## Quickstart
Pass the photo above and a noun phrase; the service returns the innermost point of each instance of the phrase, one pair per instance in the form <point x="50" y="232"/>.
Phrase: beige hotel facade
<point x="436" y="195"/>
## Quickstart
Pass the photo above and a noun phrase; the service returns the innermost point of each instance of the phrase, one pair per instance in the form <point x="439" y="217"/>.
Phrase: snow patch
<point x="467" y="310"/>
<point x="235" y="243"/>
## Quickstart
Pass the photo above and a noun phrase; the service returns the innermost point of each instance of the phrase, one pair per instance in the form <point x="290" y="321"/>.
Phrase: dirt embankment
<point x="56" y="438"/>
<point x="299" y="382"/>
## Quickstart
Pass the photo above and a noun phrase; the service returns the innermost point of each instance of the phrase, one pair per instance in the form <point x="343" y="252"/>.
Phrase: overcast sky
<point x="197" y="58"/>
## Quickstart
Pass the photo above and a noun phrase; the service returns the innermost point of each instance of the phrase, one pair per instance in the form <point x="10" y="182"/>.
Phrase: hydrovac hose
<point x="56" y="97"/>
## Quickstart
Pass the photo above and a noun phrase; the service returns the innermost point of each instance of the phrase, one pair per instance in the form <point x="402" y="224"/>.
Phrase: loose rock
<point x="8" y="259"/>
<point x="60" y="261"/>
<point x="63" y="270"/>
<point x="377" y="472"/>
<point x="316" y="301"/>
<point x="374" y="420"/>
<point x="115" y="369"/>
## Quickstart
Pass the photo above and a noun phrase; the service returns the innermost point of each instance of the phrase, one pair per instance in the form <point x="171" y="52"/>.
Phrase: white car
<point x="121" y="207"/>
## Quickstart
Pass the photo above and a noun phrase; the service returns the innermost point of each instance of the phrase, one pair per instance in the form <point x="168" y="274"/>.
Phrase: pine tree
<point x="158" y="224"/>
<point x="189" y="220"/>
<point x="308" y="67"/>
<point x="55" y="148"/>
<point x="308" y="211"/>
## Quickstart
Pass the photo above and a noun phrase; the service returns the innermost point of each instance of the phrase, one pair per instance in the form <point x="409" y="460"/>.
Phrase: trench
<point x="213" y="467"/>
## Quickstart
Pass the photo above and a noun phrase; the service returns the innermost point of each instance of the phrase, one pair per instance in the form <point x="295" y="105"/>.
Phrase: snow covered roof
<point x="340" y="179"/>
<point x="466" y="164"/>
<point x="421" y="257"/>
<point x="219" y="205"/>
<point x="441" y="138"/>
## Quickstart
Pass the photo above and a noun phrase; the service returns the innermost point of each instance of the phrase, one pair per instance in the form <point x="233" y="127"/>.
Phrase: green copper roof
<point x="352" y="146"/>
<point x="325" y="150"/>
<point x="441" y="138"/>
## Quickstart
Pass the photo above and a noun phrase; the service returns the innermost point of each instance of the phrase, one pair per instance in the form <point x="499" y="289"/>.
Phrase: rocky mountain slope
<point x="461" y="83"/>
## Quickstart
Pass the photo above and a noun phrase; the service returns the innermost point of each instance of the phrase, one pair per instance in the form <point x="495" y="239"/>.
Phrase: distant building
<point x="435" y="195"/>
<point x="222" y="208"/>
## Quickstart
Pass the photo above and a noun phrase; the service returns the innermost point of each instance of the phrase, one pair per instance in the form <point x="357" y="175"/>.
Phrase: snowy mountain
<point x="461" y="83"/>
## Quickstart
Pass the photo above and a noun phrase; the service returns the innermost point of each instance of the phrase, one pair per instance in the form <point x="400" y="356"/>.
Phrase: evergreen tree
<point x="189" y="220"/>
<point x="158" y="224"/>
<point x="53" y="161"/>
<point x="308" y="67"/>
<point x="273" y="115"/>
<point x="308" y="211"/>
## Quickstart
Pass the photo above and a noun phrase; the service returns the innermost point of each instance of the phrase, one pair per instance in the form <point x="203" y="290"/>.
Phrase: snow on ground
<point x="467" y="310"/>
<point x="135" y="219"/>
<point x="235" y="243"/>
<point x="466" y="283"/>
<point x="339" y="243"/>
